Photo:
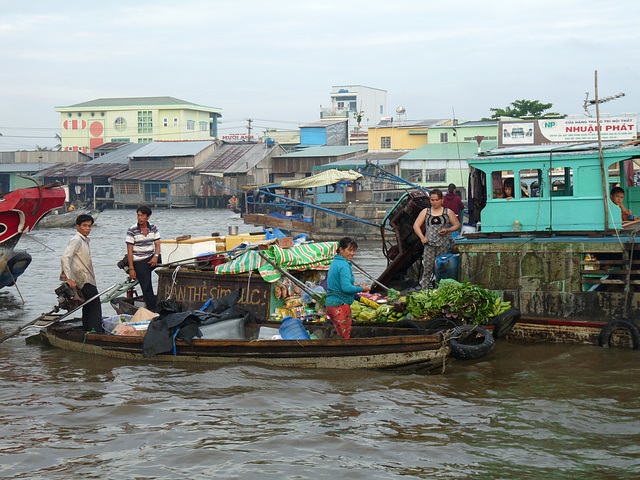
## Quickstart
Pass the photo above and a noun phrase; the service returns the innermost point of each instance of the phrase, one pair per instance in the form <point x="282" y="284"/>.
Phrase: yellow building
<point x="404" y="135"/>
<point x="88" y="125"/>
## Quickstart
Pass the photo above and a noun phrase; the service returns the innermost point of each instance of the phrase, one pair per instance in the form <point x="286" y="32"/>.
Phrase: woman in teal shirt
<point x="341" y="288"/>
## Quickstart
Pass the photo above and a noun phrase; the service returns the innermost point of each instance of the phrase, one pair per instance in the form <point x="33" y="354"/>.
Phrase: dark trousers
<point x="143" y="273"/>
<point x="92" y="311"/>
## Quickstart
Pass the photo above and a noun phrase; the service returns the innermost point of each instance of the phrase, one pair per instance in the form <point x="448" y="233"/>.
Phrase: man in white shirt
<point x="77" y="271"/>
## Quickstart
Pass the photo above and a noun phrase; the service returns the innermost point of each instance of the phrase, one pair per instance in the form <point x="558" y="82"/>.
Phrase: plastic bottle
<point x="517" y="227"/>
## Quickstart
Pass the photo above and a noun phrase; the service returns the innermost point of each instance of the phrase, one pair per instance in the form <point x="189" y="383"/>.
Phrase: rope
<point x="248" y="284"/>
<point x="173" y="281"/>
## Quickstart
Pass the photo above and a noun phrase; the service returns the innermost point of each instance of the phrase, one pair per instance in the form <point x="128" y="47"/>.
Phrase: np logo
<point x="549" y="124"/>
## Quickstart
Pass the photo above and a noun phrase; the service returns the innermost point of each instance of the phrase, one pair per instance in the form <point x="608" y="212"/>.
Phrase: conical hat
<point x="142" y="315"/>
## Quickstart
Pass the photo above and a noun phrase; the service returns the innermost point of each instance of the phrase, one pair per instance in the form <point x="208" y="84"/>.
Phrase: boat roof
<point x="328" y="177"/>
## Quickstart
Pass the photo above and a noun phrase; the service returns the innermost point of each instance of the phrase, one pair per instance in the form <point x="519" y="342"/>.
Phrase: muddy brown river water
<point x="526" y="411"/>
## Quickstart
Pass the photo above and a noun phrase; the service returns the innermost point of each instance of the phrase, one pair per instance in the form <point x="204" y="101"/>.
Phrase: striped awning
<point x="309" y="256"/>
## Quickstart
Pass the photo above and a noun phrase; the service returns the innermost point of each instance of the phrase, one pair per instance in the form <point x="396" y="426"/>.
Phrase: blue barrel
<point x="292" y="329"/>
<point x="447" y="266"/>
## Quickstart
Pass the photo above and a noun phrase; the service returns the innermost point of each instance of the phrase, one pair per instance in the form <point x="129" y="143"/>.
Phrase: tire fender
<point x="604" y="339"/>
<point x="503" y="323"/>
<point x="463" y="351"/>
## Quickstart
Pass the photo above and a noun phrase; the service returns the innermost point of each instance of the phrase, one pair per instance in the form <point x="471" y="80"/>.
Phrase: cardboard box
<point x="233" y="241"/>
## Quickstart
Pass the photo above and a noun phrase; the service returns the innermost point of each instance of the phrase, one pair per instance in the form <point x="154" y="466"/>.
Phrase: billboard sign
<point x="566" y="130"/>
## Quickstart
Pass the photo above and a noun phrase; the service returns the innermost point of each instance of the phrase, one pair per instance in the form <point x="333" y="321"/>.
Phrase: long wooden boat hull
<point x="66" y="219"/>
<point x="412" y="352"/>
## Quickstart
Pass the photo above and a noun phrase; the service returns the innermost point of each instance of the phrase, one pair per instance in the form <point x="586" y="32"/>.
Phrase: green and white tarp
<point x="309" y="256"/>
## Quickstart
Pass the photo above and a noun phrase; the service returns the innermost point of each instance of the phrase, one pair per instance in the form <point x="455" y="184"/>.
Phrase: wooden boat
<point x="20" y="210"/>
<point x="371" y="348"/>
<point x="336" y="207"/>
<point x="67" y="219"/>
<point x="558" y="251"/>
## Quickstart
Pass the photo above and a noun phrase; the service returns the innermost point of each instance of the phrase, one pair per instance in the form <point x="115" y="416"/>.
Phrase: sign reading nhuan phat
<point x="564" y="130"/>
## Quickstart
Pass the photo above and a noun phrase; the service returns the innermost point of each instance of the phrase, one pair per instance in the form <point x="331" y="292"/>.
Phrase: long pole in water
<point x="19" y="329"/>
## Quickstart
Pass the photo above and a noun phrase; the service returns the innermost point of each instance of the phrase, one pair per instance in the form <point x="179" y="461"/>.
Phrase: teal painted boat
<point x="556" y="247"/>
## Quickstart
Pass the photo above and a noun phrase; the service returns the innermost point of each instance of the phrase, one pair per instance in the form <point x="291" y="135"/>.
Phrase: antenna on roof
<point x="590" y="102"/>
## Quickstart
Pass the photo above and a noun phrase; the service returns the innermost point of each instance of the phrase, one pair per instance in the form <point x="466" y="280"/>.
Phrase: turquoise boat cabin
<point x="561" y="188"/>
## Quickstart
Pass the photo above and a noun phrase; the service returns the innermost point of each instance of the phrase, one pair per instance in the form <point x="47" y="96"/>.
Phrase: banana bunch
<point x="387" y="313"/>
<point x="500" y="307"/>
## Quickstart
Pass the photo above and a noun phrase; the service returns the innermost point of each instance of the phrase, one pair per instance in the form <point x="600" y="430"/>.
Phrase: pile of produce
<point x="464" y="301"/>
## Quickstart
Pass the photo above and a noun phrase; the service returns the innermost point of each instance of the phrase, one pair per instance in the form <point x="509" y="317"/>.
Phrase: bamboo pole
<point x="605" y="190"/>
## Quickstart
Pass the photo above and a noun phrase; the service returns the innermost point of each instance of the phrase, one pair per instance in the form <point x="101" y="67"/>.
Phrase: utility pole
<point x="249" y="129"/>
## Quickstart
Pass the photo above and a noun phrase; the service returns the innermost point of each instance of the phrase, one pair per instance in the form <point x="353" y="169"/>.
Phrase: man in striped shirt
<point x="143" y="250"/>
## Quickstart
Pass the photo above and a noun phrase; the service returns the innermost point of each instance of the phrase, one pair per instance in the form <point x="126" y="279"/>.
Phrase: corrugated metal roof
<point x="131" y="101"/>
<point x="352" y="163"/>
<point x="323" y="151"/>
<point x="445" y="151"/>
<point x="119" y="155"/>
<point x="152" y="175"/>
<point x="556" y="147"/>
<point x="235" y="158"/>
<point x="24" y="167"/>
<point x="413" y="123"/>
<point x="86" y="169"/>
<point x="325" y="123"/>
<point x="475" y="123"/>
<point x="172" y="149"/>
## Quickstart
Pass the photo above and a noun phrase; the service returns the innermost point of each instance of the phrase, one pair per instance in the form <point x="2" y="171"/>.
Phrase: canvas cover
<point x="328" y="177"/>
<point x="309" y="256"/>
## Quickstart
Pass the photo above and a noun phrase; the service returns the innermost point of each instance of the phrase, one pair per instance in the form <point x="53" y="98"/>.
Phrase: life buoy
<point x="503" y="323"/>
<point x="442" y="323"/>
<point x="604" y="339"/>
<point x="465" y="351"/>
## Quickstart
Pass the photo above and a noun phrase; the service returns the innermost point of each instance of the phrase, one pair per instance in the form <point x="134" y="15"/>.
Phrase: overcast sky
<point x="275" y="61"/>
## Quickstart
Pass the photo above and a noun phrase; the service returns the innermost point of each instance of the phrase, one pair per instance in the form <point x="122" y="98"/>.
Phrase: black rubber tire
<point x="604" y="339"/>
<point x="463" y="351"/>
<point x="503" y="323"/>
<point x="442" y="323"/>
<point x="404" y="323"/>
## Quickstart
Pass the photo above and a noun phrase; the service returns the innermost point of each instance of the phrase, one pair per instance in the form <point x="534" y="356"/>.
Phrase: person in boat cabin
<point x="143" y="251"/>
<point x="341" y="287"/>
<point x="507" y="189"/>
<point x="439" y="222"/>
<point x="617" y="197"/>
<point x="453" y="202"/>
<point x="77" y="271"/>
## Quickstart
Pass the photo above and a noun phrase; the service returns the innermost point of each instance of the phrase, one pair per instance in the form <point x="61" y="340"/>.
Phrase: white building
<point x="349" y="101"/>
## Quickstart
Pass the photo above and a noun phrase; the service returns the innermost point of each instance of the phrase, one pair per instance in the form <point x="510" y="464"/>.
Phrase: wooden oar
<point x="368" y="276"/>
<point x="44" y="315"/>
<point x="291" y="277"/>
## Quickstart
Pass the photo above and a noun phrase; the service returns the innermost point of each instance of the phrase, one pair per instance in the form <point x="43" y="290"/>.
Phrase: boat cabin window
<point x="561" y="180"/>
<point x="531" y="182"/>
<point x="502" y="184"/>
